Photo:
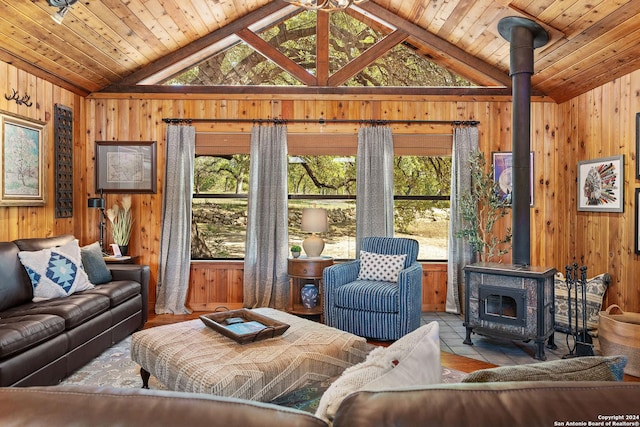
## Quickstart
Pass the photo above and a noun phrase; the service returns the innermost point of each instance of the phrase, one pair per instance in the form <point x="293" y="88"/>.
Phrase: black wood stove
<point x="510" y="301"/>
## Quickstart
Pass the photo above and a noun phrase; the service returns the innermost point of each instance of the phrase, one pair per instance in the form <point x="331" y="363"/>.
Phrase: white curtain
<point x="374" y="188"/>
<point x="175" y="241"/>
<point x="265" y="264"/>
<point x="465" y="141"/>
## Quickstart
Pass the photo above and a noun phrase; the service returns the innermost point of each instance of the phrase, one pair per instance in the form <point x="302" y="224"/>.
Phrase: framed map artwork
<point x="126" y="167"/>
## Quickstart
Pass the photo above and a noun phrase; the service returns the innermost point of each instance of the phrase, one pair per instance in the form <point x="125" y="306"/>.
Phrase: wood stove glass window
<point x="502" y="305"/>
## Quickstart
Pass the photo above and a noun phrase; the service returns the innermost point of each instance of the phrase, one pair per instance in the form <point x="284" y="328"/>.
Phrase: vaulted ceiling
<point x="112" y="45"/>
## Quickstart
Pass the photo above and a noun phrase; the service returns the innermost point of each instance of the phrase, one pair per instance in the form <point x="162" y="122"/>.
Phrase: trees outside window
<point x="220" y="203"/>
<point x="239" y="64"/>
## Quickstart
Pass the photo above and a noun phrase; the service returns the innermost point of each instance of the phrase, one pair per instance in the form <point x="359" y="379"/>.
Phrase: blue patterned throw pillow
<point x="55" y="272"/>
<point x="380" y="267"/>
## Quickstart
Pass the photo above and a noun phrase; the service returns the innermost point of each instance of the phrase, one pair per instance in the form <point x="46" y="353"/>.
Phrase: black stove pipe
<point x="524" y="36"/>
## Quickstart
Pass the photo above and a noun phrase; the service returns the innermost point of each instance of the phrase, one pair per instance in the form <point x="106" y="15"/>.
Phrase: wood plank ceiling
<point x="111" y="45"/>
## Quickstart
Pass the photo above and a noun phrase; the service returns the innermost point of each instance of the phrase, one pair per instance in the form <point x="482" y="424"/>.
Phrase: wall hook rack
<point x="19" y="100"/>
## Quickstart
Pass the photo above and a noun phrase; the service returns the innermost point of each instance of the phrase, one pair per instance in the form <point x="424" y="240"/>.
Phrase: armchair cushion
<point x="382" y="297"/>
<point x="380" y="266"/>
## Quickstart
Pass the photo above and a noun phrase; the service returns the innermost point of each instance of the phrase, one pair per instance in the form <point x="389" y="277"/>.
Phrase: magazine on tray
<point x="244" y="328"/>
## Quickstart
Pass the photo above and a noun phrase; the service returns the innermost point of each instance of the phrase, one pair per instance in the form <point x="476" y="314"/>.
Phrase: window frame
<point x="337" y="143"/>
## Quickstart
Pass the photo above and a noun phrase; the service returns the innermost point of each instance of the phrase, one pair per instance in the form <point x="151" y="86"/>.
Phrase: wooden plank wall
<point x="117" y="117"/>
<point x="39" y="221"/>
<point x="216" y="284"/>
<point x="597" y="124"/>
<point x="600" y="123"/>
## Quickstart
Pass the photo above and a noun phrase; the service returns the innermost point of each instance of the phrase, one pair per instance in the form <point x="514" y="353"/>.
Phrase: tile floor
<point x="497" y="351"/>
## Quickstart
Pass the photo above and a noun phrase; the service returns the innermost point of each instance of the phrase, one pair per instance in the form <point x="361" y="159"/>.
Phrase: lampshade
<point x="314" y="220"/>
<point x="96" y="202"/>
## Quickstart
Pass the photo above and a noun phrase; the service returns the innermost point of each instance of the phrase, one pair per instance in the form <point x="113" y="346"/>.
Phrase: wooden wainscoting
<point x="219" y="283"/>
<point x="434" y="286"/>
<point x="214" y="284"/>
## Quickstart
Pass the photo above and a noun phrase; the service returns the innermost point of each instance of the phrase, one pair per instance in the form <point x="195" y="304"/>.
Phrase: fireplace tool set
<point x="582" y="342"/>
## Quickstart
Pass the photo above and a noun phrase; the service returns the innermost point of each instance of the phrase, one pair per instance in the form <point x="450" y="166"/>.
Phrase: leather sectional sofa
<point x="43" y="342"/>
<point x="507" y="404"/>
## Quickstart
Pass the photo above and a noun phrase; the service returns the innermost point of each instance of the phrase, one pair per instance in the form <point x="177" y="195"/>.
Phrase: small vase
<point x="124" y="250"/>
<point x="295" y="254"/>
<point x="309" y="294"/>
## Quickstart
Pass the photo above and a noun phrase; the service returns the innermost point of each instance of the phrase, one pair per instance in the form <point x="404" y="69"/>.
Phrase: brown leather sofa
<point x="43" y="342"/>
<point x="528" y="404"/>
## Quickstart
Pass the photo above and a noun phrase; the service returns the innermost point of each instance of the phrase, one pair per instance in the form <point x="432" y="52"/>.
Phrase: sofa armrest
<point x="136" y="273"/>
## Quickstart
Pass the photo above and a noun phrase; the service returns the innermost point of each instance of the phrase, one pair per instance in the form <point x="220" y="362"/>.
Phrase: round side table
<point x="301" y="271"/>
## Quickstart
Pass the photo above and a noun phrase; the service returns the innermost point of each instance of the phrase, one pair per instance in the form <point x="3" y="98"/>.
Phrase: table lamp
<point x="98" y="203"/>
<point x="314" y="220"/>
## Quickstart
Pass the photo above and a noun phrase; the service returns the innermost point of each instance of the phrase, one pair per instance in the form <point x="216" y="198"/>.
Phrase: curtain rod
<point x="321" y="121"/>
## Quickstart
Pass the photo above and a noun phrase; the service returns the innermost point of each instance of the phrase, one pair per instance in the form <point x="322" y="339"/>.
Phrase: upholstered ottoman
<point x="191" y="357"/>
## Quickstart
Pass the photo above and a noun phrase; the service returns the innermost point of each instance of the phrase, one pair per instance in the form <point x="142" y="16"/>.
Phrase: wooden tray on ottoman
<point x="252" y="327"/>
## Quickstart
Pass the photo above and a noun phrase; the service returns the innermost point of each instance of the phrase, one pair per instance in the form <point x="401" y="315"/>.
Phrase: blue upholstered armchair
<point x="378" y="309"/>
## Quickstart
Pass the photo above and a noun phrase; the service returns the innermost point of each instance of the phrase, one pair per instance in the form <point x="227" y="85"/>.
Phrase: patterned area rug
<point x="114" y="368"/>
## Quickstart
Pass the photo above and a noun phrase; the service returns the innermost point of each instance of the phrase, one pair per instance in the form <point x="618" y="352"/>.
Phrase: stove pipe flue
<point x="524" y="36"/>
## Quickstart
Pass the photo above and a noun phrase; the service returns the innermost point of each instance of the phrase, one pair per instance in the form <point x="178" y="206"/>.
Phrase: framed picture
<point x="637" y="233"/>
<point x="23" y="163"/>
<point x="503" y="175"/>
<point x="601" y="184"/>
<point x="637" y="145"/>
<point x="126" y="167"/>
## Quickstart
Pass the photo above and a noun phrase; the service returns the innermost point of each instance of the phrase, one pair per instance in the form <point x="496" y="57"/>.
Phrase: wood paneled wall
<point x="39" y="221"/>
<point x="600" y="123"/>
<point x="216" y="284"/>
<point x="139" y="117"/>
<point x="597" y="124"/>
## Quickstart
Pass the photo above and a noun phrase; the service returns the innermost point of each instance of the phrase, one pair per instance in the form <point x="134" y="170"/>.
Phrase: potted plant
<point x="295" y="251"/>
<point x="481" y="208"/>
<point x="121" y="223"/>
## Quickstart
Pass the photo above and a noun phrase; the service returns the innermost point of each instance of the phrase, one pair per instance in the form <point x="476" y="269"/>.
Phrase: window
<point x="220" y="203"/>
<point x="236" y="63"/>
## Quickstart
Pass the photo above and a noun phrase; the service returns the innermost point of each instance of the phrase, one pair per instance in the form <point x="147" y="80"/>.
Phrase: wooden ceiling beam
<point x="305" y="92"/>
<point x="441" y="51"/>
<point x="367" y="57"/>
<point x="269" y="52"/>
<point x="204" y="42"/>
<point x="322" y="48"/>
<point x="432" y="46"/>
